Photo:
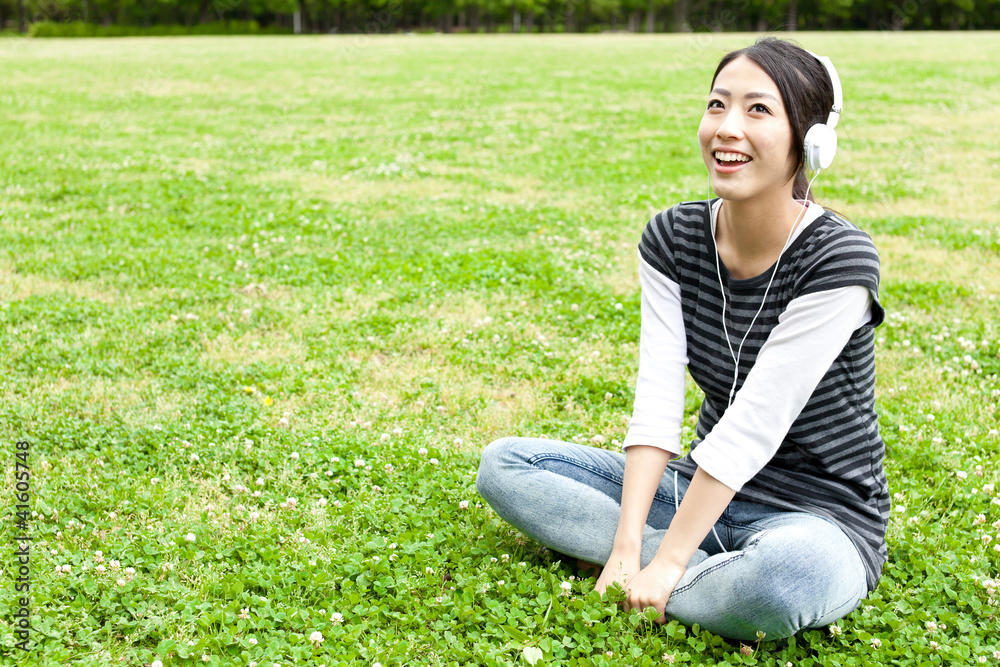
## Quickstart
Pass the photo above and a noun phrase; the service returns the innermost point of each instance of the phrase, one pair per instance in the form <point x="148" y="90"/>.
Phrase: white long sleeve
<point x="810" y="334"/>
<point x="659" y="392"/>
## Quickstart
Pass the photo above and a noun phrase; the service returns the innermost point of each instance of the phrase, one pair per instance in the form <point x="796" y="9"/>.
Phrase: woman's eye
<point x="760" y="108"/>
<point x="715" y="104"/>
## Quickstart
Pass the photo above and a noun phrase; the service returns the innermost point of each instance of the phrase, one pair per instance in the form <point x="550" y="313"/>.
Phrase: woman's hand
<point x="653" y="586"/>
<point x="621" y="567"/>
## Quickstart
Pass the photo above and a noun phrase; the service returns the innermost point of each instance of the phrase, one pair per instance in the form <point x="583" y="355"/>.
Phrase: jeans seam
<point x="736" y="557"/>
<point x="600" y="472"/>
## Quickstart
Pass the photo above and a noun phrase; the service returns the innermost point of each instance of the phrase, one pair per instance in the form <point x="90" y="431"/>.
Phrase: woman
<point x="775" y="521"/>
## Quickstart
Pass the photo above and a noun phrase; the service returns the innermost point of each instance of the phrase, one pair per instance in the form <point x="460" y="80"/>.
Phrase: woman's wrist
<point x="669" y="559"/>
<point x="626" y="544"/>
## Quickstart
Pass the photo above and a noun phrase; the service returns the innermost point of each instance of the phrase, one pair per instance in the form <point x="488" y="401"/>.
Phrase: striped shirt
<point x="829" y="460"/>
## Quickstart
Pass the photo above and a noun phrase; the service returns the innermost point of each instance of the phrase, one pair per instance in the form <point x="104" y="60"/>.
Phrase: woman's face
<point x="745" y="134"/>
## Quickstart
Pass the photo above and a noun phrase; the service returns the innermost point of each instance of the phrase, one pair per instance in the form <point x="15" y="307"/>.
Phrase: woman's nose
<point x="731" y="126"/>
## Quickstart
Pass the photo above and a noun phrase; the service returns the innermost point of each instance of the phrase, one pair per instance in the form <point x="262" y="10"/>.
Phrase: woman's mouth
<point x="728" y="159"/>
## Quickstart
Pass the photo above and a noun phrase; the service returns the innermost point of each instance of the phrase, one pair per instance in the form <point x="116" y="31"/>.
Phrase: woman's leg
<point x="790" y="571"/>
<point x="783" y="571"/>
<point x="568" y="496"/>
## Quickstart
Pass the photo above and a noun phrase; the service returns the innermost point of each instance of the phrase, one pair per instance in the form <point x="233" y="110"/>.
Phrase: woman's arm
<point x="654" y="431"/>
<point x="704" y="501"/>
<point x="644" y="467"/>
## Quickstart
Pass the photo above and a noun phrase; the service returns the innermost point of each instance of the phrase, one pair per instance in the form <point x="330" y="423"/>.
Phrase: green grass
<point x="225" y="260"/>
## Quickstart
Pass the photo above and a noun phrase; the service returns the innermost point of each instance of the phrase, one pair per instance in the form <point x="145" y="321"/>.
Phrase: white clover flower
<point x="359" y="463"/>
<point x="156" y="663"/>
<point x="463" y="505"/>
<point x="121" y="582"/>
<point x="100" y="568"/>
<point x="283" y="422"/>
<point x="316" y="637"/>
<point x="114" y="565"/>
<point x="294" y="456"/>
<point x="566" y="586"/>
<point x="190" y="537"/>
<point x="205" y="657"/>
<point x="260" y="481"/>
<point x="252" y="641"/>
<point x="194" y="458"/>
<point x="961" y="474"/>
<point x="337" y="503"/>
<point x="980" y="519"/>
<point x="129" y="570"/>
<point x="397" y="431"/>
<point x="292" y="502"/>
<point x="422" y="451"/>
<point x="935" y="646"/>
<point x="876" y="642"/>
<point x="835" y="630"/>
<point x="432" y="461"/>
<point x="321" y="502"/>
<point x="986" y="539"/>
<point x="385" y="437"/>
<point x="337" y="617"/>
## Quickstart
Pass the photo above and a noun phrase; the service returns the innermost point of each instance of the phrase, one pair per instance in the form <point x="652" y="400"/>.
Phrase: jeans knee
<point x="494" y="458"/>
<point x="804" y="586"/>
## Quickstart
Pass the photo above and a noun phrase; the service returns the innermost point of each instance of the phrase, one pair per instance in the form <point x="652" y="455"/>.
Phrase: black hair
<point x="805" y="87"/>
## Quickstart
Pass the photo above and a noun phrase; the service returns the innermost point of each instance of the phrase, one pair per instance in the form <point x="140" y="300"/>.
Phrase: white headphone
<point x="820" y="144"/>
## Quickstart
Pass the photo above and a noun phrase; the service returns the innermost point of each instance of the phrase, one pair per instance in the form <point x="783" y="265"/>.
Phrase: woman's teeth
<point x="731" y="157"/>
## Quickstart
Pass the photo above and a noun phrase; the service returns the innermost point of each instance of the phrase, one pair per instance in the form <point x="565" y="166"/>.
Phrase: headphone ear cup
<point x="819" y="146"/>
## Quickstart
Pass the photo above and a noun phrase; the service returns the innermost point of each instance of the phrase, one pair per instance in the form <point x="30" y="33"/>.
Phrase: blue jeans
<point x="762" y="569"/>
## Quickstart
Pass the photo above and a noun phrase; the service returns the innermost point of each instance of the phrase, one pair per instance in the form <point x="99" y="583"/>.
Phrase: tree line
<point x="518" y="16"/>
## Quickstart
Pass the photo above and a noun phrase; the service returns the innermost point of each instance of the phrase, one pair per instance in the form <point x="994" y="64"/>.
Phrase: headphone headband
<point x="838" y="93"/>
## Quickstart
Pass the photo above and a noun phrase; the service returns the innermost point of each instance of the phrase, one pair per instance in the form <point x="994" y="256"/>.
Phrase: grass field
<point x="236" y="272"/>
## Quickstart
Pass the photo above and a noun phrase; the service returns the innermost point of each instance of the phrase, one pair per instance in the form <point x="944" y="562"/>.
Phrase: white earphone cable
<point x="725" y="330"/>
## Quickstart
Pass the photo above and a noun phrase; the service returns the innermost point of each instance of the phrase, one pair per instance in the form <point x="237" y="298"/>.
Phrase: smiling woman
<point x="775" y="520"/>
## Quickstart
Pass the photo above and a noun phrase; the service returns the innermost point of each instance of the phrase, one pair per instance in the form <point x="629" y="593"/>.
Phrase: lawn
<point x="263" y="301"/>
